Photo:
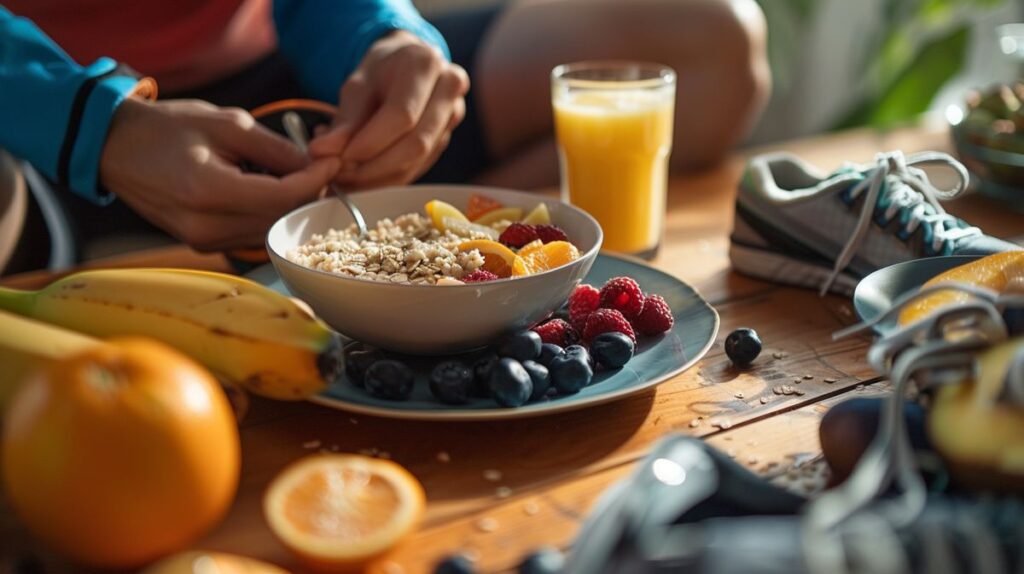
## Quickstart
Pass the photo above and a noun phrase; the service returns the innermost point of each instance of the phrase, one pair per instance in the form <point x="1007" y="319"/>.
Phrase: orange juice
<point x="614" y="146"/>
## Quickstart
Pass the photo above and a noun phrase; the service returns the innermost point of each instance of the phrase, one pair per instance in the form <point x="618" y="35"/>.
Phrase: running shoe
<point x="798" y="226"/>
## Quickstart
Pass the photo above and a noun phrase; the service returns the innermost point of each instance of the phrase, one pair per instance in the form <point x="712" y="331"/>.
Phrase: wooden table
<point x="556" y="466"/>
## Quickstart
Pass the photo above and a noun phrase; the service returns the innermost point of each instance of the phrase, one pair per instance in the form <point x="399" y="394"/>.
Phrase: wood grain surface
<point x="553" y="468"/>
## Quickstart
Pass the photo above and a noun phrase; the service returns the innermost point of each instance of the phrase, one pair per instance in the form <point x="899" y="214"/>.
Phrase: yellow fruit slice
<point x="538" y="216"/>
<point x="548" y="256"/>
<point x="1001" y="272"/>
<point x="496" y="215"/>
<point x="498" y="259"/>
<point x="467" y="228"/>
<point x="338" y="512"/>
<point x="439" y="212"/>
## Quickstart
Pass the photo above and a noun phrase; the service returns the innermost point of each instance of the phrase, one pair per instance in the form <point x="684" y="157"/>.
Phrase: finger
<point x="400" y="112"/>
<point x="356" y="102"/>
<point x="414" y="148"/>
<point x="239" y="136"/>
<point x="226" y="189"/>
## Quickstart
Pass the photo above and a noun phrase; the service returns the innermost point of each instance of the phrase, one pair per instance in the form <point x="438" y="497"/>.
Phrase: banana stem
<point x="17" y="301"/>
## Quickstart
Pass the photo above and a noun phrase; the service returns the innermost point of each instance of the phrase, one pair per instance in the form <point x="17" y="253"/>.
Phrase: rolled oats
<point x="408" y="249"/>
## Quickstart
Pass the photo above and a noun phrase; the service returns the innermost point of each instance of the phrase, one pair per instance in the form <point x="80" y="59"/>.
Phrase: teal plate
<point x="657" y="359"/>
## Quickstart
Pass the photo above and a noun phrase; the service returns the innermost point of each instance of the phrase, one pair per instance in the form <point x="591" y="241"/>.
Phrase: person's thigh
<point x="715" y="46"/>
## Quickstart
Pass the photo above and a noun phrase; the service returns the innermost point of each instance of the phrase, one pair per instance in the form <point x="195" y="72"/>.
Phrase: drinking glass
<point x="613" y="122"/>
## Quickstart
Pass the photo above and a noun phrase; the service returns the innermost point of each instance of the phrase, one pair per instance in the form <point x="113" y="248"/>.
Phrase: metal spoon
<point x="296" y="130"/>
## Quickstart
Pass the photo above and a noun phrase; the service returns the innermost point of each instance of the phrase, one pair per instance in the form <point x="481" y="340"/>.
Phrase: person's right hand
<point x="176" y="164"/>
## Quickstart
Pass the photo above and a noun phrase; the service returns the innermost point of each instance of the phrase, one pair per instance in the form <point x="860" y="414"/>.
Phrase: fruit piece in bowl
<point x="423" y="318"/>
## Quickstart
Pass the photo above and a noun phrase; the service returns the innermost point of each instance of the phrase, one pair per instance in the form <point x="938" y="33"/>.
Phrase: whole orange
<point x="120" y="454"/>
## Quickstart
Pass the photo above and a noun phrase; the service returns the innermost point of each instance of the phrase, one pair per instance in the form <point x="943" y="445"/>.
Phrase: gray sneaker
<point x="798" y="226"/>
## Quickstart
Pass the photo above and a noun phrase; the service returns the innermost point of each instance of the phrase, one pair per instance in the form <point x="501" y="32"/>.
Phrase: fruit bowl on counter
<point x="988" y="134"/>
<point x="428" y="319"/>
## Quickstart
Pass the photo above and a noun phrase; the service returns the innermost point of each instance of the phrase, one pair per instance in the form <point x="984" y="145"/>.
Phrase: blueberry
<point x="389" y="379"/>
<point x="743" y="346"/>
<point x="546" y="560"/>
<point x="510" y="383"/>
<point x="451" y="382"/>
<point x="539" y="377"/>
<point x="523" y="346"/>
<point x="612" y="350"/>
<point x="570" y="373"/>
<point x="456" y="564"/>
<point x="581" y="351"/>
<point x="1014" y="319"/>
<point x="358" y="359"/>
<point x="549" y="351"/>
<point x="482" y="376"/>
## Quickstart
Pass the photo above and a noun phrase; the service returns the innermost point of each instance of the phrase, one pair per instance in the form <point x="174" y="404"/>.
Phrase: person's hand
<point x="176" y="164"/>
<point x="396" y="113"/>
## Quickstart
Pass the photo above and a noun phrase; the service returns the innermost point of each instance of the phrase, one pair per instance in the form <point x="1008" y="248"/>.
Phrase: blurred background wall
<point x="844" y="63"/>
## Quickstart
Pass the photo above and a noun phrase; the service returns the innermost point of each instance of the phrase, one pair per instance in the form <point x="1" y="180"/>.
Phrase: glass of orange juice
<point x="613" y="121"/>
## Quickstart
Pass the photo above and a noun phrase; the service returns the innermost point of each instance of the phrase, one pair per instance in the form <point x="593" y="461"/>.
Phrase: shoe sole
<point x="777" y="268"/>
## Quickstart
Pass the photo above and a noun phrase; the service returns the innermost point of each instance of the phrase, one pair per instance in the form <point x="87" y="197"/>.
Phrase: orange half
<point x="339" y="512"/>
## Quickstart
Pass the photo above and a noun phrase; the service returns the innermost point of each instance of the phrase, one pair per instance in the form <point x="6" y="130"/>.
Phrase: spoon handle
<point x="296" y="130"/>
<point x="356" y="214"/>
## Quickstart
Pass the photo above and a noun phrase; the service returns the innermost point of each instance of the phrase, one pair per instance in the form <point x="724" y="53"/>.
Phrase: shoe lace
<point x="898" y="186"/>
<point x="848" y="522"/>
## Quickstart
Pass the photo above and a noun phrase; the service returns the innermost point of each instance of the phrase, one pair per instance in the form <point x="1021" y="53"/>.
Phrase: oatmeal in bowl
<point x="407" y="250"/>
<point x="435" y="275"/>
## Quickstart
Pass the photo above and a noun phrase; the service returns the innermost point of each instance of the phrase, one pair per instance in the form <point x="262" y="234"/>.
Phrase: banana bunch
<point x="26" y="345"/>
<point x="243" y="332"/>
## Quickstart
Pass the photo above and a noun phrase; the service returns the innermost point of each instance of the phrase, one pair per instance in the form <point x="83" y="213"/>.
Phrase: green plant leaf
<point x="913" y="90"/>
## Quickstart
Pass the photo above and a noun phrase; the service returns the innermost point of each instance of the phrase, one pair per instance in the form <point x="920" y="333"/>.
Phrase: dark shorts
<point x="269" y="80"/>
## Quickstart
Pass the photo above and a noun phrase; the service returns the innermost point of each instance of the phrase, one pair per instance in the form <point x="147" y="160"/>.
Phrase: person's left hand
<point x="396" y="113"/>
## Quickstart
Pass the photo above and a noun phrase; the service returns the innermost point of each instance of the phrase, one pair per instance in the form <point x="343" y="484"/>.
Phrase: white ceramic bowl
<point x="427" y="319"/>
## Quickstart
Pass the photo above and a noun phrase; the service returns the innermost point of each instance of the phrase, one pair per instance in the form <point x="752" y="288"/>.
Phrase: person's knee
<point x="745" y="30"/>
<point x="724" y="79"/>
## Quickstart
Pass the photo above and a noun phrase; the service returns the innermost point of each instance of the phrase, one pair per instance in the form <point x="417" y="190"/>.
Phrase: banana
<point x="979" y="430"/>
<point x="26" y="345"/>
<point x="243" y="332"/>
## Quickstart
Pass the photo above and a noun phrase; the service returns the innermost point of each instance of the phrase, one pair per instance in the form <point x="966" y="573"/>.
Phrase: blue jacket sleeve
<point x="55" y="113"/>
<point x="324" y="40"/>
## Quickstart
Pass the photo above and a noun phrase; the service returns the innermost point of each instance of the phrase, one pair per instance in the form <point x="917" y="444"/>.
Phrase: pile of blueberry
<point x="521" y="370"/>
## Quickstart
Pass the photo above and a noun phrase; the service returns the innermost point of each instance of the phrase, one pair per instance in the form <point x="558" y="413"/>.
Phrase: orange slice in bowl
<point x="545" y="257"/>
<point x="481" y="204"/>
<point x="498" y="259"/>
<point x="439" y="211"/>
<point x="339" y="512"/>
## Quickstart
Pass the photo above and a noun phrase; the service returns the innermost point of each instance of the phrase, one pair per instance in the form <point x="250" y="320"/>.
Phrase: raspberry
<point x="479" y="276"/>
<point x="623" y="295"/>
<point x="549" y="233"/>
<point x="583" y="301"/>
<point x="518" y="235"/>
<point x="606" y="320"/>
<point x="655" y="318"/>
<point x="557" y="332"/>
